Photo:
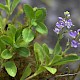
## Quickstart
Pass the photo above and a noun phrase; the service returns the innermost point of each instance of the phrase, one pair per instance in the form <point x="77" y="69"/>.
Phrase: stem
<point x="30" y="77"/>
<point x="66" y="75"/>
<point x="66" y="50"/>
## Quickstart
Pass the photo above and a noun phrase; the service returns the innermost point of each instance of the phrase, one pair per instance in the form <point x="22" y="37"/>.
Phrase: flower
<point x="68" y="23"/>
<point x="64" y="22"/>
<point x="56" y="30"/>
<point x="74" y="44"/>
<point x="78" y="31"/>
<point x="60" y="24"/>
<point x="73" y="34"/>
<point x="60" y="18"/>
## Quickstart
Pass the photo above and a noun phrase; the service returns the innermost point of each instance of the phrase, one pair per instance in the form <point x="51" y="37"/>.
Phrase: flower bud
<point x="67" y="14"/>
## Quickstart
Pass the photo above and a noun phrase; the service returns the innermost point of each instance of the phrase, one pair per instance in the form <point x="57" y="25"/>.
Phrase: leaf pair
<point x="38" y="14"/>
<point x="36" y="17"/>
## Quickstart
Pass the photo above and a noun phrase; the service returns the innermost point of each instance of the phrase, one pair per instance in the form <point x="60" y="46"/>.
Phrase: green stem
<point x="66" y="50"/>
<point x="30" y="77"/>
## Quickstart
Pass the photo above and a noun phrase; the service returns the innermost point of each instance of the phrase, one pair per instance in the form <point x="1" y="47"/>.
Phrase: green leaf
<point x="2" y="46"/>
<point x="41" y="28"/>
<point x="26" y="72"/>
<point x="11" y="31"/>
<point x="39" y="52"/>
<point x="57" y="49"/>
<point x="51" y="70"/>
<point x="67" y="59"/>
<point x="1" y="22"/>
<point x="6" y="54"/>
<point x="5" y="8"/>
<point x="46" y="49"/>
<point x="33" y="22"/>
<point x="18" y="33"/>
<point x="28" y="35"/>
<point x="11" y="68"/>
<point x="20" y="43"/>
<point x="8" y="4"/>
<point x="40" y="14"/>
<point x="55" y="59"/>
<point x="40" y="70"/>
<point x="14" y="4"/>
<point x="23" y="51"/>
<point x="36" y="55"/>
<point x="28" y="10"/>
<point x="6" y="40"/>
<point x="47" y="55"/>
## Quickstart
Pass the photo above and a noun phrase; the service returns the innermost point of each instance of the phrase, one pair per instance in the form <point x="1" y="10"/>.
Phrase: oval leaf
<point x="40" y="14"/>
<point x="28" y="11"/>
<point x="6" y="54"/>
<point x="51" y="70"/>
<point x="2" y="46"/>
<point x="28" y="35"/>
<point x="11" y="68"/>
<point x="11" y="31"/>
<point x="41" y="28"/>
<point x="23" y="51"/>
<point x="6" y="40"/>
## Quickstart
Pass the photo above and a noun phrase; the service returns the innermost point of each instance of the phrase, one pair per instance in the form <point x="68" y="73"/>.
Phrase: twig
<point x="66" y="75"/>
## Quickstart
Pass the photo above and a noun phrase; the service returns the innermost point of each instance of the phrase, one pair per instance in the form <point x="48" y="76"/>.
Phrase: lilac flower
<point x="60" y="24"/>
<point x="64" y="22"/>
<point x="73" y="34"/>
<point x="78" y="31"/>
<point x="56" y="30"/>
<point x="60" y="18"/>
<point x="68" y="23"/>
<point x="74" y="44"/>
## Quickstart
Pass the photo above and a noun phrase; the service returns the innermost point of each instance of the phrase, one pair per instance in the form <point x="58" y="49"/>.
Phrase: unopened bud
<point x="67" y="14"/>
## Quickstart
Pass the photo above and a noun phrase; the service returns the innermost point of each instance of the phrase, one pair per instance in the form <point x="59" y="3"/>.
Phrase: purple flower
<point x="68" y="23"/>
<point x="60" y="18"/>
<point x="73" y="34"/>
<point x="60" y="24"/>
<point x="56" y="30"/>
<point x="74" y="44"/>
<point x="78" y="31"/>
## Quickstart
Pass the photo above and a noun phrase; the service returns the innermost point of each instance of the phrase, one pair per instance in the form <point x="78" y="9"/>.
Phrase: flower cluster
<point x="63" y="22"/>
<point x="67" y="23"/>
